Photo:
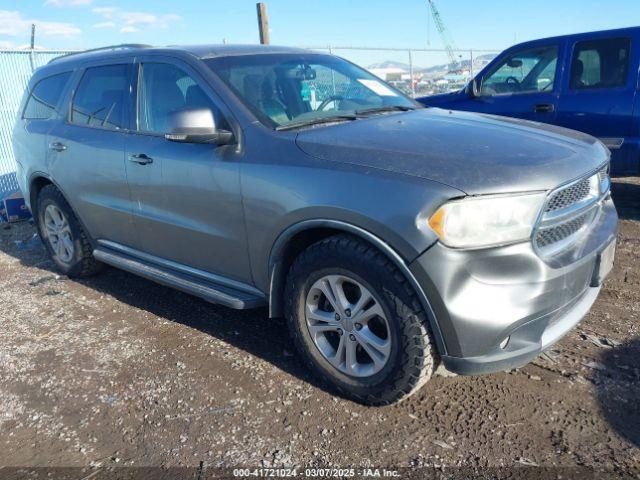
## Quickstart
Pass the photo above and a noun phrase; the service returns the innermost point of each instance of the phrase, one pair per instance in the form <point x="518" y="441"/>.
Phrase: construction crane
<point x="444" y="35"/>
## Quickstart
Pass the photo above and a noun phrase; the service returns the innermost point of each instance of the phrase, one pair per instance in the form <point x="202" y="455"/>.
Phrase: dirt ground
<point x="118" y="371"/>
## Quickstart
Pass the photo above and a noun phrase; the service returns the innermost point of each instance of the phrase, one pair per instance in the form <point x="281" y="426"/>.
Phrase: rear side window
<point x="600" y="64"/>
<point x="102" y="97"/>
<point x="45" y="96"/>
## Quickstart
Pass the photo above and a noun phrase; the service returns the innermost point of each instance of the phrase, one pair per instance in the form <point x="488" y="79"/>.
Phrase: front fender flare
<point x="277" y="273"/>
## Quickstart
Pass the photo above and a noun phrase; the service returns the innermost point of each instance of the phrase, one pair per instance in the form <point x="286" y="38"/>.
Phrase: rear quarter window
<point x="45" y="96"/>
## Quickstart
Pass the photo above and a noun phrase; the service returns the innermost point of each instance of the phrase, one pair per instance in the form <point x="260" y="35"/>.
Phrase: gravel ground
<point x="118" y="371"/>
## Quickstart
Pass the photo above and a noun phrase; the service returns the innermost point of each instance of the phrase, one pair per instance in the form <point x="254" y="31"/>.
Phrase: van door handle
<point x="57" y="147"/>
<point x="140" y="158"/>
<point x="544" y="108"/>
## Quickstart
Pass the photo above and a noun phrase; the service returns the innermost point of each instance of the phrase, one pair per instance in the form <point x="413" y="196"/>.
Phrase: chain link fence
<point x="16" y="67"/>
<point x="415" y="71"/>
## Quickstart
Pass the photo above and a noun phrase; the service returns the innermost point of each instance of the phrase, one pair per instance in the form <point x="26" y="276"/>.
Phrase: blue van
<point x="586" y="82"/>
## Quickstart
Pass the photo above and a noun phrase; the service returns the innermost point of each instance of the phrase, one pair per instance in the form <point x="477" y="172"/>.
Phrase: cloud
<point x="104" y="25"/>
<point x="138" y="18"/>
<point x="130" y="21"/>
<point x="13" y="24"/>
<point x="106" y="12"/>
<point x="67" y="3"/>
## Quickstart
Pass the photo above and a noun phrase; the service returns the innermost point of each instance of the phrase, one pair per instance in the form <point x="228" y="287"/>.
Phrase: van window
<point x="102" y="97"/>
<point x="531" y="70"/>
<point x="45" y="96"/>
<point x="165" y="88"/>
<point x="600" y="64"/>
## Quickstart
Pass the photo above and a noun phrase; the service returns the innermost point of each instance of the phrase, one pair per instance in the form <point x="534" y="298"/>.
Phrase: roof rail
<point x="123" y="46"/>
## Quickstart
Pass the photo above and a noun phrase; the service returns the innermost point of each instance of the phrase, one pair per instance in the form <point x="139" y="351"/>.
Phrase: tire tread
<point x="88" y="265"/>
<point x="418" y="352"/>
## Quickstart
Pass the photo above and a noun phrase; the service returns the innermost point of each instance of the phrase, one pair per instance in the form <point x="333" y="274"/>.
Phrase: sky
<point x="481" y="25"/>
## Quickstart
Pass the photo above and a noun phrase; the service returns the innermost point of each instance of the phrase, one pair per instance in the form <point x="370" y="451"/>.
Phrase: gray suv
<point x="392" y="237"/>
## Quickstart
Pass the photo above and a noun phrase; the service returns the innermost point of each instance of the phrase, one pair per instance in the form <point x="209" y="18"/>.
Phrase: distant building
<point x="389" y="73"/>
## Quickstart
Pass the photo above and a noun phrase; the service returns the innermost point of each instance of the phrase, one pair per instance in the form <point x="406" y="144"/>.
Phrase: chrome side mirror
<point x="195" y="125"/>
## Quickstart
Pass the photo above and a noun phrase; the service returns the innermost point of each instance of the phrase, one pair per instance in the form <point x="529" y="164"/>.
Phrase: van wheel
<point x="357" y="322"/>
<point x="64" y="238"/>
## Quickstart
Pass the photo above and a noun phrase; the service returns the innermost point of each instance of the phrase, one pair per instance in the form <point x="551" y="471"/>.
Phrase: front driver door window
<point x="529" y="71"/>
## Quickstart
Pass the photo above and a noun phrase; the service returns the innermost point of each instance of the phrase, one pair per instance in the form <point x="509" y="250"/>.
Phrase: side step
<point x="198" y="287"/>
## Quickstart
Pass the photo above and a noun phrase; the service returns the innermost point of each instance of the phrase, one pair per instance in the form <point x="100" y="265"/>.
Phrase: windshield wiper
<point x="346" y="116"/>
<point x="384" y="109"/>
<point x="317" y="121"/>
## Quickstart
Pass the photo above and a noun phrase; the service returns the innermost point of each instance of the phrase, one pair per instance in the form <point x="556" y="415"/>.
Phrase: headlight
<point x="485" y="221"/>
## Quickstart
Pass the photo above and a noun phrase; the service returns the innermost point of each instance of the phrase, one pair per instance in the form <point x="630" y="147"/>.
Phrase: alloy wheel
<point x="59" y="233"/>
<point x="348" y="325"/>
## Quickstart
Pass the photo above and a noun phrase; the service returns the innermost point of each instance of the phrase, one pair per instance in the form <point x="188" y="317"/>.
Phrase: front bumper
<point x="481" y="298"/>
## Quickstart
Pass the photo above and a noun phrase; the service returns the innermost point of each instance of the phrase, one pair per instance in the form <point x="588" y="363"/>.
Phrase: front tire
<point x="63" y="236"/>
<point x="357" y="322"/>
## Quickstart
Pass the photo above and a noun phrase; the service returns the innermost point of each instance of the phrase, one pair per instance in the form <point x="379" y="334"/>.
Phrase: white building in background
<point x="389" y="73"/>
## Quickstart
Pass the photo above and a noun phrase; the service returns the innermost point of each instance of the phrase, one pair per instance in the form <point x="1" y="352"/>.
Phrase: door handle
<point x="544" y="108"/>
<point x="140" y="158"/>
<point x="57" y="147"/>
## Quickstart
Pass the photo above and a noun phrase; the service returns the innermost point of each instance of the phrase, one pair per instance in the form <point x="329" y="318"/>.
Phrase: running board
<point x="209" y="291"/>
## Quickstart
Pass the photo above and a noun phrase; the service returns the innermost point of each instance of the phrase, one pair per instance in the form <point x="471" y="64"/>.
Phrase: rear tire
<point x="63" y="236"/>
<point x="391" y="352"/>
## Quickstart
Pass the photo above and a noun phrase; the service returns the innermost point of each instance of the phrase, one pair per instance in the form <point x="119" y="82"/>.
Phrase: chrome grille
<point x="569" y="211"/>
<point x="570" y="195"/>
<point x="551" y="235"/>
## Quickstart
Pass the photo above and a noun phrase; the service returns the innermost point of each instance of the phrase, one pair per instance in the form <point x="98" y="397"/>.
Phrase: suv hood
<point x="475" y="153"/>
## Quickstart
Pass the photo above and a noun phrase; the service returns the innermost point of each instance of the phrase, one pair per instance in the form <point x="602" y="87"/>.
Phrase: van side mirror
<point x="195" y="125"/>
<point x="473" y="89"/>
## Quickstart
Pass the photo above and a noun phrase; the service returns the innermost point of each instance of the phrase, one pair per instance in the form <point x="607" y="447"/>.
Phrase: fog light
<point x="505" y="342"/>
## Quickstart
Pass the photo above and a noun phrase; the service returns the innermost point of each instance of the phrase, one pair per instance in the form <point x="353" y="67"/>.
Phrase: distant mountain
<point x="487" y="56"/>
<point x="464" y="64"/>
<point x="434" y="69"/>
<point x="389" y="64"/>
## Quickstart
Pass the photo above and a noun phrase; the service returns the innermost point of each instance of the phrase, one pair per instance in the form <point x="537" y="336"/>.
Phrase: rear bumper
<point x="498" y="308"/>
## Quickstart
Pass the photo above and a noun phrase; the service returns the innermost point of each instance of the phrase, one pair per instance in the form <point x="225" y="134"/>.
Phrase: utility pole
<point x="263" y="23"/>
<point x="32" y="55"/>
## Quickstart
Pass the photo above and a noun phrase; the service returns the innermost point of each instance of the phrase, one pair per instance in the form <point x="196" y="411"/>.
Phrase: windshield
<point x="298" y="89"/>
